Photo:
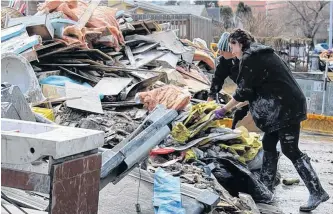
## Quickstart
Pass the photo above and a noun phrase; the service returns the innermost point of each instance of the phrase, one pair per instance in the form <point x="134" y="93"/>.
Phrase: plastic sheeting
<point x="235" y="177"/>
<point x="167" y="196"/>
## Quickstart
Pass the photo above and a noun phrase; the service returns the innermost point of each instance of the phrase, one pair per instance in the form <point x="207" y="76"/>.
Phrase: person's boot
<point x="268" y="169"/>
<point x="311" y="180"/>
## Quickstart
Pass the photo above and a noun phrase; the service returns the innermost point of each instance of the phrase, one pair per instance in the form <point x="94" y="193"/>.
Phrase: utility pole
<point x="331" y="26"/>
<point x="266" y="7"/>
<point x="330" y="29"/>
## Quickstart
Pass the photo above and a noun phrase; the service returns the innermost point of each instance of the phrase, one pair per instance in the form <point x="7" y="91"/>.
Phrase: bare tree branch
<point x="306" y="4"/>
<point x="296" y="8"/>
<point x="309" y="16"/>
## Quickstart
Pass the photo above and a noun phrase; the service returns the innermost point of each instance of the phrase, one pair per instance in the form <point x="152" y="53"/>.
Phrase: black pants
<point x="239" y="115"/>
<point x="288" y="137"/>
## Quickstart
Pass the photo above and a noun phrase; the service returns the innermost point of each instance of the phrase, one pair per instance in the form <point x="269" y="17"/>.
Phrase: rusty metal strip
<point x="42" y="47"/>
<point x="190" y="75"/>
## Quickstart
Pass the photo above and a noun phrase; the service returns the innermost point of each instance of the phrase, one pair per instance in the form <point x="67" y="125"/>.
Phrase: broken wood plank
<point x="56" y="100"/>
<point x="129" y="55"/>
<point x="143" y="24"/>
<point x="59" y="50"/>
<point x="126" y="27"/>
<point x="65" y="65"/>
<point x="192" y="76"/>
<point x="49" y="45"/>
<point x="87" y="14"/>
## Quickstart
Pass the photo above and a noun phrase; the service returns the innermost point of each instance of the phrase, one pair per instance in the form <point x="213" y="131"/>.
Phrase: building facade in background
<point x="262" y="6"/>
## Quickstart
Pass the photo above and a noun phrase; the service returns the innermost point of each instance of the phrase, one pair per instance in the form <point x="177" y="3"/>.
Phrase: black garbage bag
<point x="235" y="178"/>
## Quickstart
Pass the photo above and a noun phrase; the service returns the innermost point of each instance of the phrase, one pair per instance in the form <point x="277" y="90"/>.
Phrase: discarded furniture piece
<point x="35" y="25"/>
<point x="68" y="158"/>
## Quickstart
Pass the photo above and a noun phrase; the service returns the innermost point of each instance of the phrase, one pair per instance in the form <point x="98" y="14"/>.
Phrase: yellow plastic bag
<point x="249" y="147"/>
<point x="47" y="113"/>
<point x="182" y="132"/>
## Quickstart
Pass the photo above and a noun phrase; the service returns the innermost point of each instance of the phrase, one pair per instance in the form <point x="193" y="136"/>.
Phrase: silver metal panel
<point x="313" y="91"/>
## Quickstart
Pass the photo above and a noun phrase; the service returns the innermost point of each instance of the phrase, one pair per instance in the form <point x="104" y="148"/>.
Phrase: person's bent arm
<point x="242" y="104"/>
<point x="221" y="73"/>
<point x="244" y="92"/>
<point x="231" y="105"/>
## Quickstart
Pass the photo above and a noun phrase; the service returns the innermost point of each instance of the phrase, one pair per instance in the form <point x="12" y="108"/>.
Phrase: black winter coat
<point x="265" y="80"/>
<point x="225" y="68"/>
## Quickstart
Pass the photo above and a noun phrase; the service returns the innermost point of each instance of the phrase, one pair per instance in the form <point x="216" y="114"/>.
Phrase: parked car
<point x="320" y="47"/>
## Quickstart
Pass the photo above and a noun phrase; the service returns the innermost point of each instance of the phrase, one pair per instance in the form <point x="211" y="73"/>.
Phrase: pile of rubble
<point x="93" y="67"/>
<point x="96" y="53"/>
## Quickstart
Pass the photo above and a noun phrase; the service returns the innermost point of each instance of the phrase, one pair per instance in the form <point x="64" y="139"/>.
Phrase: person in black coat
<point x="227" y="66"/>
<point x="278" y="106"/>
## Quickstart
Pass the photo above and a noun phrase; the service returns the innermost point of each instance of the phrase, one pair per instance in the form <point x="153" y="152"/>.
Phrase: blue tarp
<point x="167" y="196"/>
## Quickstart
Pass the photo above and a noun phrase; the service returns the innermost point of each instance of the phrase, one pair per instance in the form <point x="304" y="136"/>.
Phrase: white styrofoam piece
<point x="24" y="142"/>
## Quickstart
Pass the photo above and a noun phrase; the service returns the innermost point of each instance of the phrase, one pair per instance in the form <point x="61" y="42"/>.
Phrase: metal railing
<point x="189" y="26"/>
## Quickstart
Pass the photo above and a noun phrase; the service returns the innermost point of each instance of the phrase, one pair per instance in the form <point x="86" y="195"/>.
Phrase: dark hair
<point x="242" y="37"/>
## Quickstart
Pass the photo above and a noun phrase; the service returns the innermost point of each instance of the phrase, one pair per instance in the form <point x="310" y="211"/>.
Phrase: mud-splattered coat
<point x="225" y="68"/>
<point x="266" y="81"/>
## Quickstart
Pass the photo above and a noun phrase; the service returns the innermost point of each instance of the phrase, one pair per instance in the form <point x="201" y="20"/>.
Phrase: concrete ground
<point x="122" y="197"/>
<point x="320" y="150"/>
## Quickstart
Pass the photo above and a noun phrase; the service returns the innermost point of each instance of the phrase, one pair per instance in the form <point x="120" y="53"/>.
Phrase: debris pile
<point x="94" y="67"/>
<point x="77" y="55"/>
